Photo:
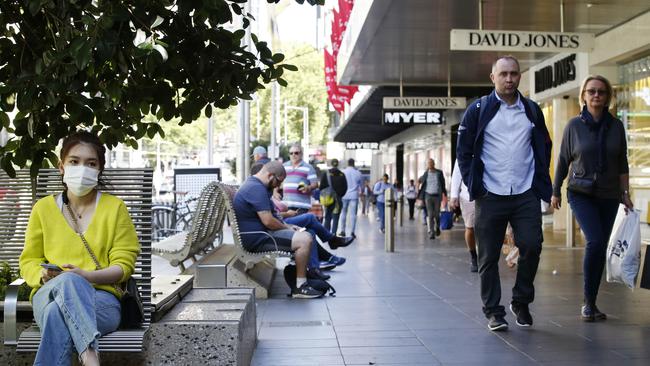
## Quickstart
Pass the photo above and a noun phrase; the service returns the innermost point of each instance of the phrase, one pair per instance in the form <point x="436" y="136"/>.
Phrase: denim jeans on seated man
<point x="72" y="315"/>
<point x="317" y="229"/>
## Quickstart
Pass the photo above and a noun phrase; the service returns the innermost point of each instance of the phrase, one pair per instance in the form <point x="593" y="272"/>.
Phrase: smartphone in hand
<point x="52" y="267"/>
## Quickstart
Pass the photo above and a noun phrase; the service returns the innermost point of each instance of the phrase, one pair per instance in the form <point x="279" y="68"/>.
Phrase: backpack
<point x="328" y="195"/>
<point x="318" y="285"/>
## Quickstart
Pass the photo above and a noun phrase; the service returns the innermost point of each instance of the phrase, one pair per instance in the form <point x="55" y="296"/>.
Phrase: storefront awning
<point x="365" y="123"/>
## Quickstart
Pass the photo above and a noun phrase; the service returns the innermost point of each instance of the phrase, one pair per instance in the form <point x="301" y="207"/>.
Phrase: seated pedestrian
<point x="255" y="212"/>
<point x="76" y="301"/>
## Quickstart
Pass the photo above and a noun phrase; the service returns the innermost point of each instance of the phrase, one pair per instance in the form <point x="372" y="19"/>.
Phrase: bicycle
<point x="169" y="220"/>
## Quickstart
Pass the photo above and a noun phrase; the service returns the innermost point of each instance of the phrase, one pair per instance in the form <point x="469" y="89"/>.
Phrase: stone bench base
<point x="208" y="327"/>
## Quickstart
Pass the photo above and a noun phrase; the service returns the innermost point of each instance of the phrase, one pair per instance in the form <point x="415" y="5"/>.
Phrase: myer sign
<point x="362" y="145"/>
<point x="424" y="103"/>
<point x="412" y="117"/>
<point x="559" y="74"/>
<point x="519" y="41"/>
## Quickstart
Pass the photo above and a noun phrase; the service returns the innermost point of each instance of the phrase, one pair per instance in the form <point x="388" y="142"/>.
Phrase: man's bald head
<point x="276" y="168"/>
<point x="272" y="174"/>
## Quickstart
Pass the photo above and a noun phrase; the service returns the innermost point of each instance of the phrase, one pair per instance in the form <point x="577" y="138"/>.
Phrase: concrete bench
<point x="242" y="268"/>
<point x="207" y="224"/>
<point x="134" y="186"/>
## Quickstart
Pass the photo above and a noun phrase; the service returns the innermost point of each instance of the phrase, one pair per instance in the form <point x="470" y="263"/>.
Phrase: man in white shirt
<point x="350" y="199"/>
<point x="460" y="198"/>
<point x="504" y="152"/>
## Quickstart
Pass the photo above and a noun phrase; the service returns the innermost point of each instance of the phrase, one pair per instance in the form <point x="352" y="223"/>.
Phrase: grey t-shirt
<point x="580" y="149"/>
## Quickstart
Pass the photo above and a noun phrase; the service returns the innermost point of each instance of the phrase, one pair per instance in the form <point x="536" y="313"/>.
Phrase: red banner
<point x="338" y="95"/>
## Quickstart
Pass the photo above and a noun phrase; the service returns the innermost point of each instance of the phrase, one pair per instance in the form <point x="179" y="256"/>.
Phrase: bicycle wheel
<point x="163" y="222"/>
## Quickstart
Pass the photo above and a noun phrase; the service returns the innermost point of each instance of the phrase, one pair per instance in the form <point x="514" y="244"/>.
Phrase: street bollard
<point x="400" y="211"/>
<point x="389" y="220"/>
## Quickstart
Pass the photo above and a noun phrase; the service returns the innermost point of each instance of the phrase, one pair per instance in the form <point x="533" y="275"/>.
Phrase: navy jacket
<point x="470" y="145"/>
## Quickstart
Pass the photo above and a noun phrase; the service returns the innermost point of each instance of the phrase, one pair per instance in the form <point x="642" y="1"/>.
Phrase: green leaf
<point x="282" y="82"/>
<point x="157" y="22"/>
<point x="208" y="111"/>
<point x="277" y="58"/>
<point x="83" y="56"/>
<point x="290" y="67"/>
<point x="4" y="119"/>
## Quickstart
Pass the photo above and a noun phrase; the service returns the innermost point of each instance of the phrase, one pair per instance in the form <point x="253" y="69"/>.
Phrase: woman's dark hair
<point x="91" y="139"/>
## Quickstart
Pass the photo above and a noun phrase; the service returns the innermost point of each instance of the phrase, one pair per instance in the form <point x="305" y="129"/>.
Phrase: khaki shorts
<point x="467" y="208"/>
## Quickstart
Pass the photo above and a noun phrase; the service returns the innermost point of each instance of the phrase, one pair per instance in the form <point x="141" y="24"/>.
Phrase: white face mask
<point x="80" y="179"/>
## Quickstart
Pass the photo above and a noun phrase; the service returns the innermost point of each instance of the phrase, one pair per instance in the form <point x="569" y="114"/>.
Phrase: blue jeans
<point x="596" y="218"/>
<point x="381" y="207"/>
<point x="349" y="206"/>
<point x="71" y="315"/>
<point x="331" y="219"/>
<point x="315" y="228"/>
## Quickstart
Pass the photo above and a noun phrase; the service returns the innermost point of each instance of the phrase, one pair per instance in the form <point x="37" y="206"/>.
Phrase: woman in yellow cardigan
<point x="77" y="303"/>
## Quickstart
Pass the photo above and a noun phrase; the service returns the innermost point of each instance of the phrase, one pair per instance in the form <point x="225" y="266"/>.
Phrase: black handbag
<point x="132" y="310"/>
<point x="583" y="185"/>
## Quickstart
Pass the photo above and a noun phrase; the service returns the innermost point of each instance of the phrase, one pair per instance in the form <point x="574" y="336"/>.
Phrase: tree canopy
<point x="104" y="65"/>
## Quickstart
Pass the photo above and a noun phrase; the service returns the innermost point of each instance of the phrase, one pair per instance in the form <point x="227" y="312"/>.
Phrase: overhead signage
<point x="519" y="41"/>
<point x="556" y="74"/>
<point x="424" y="103"/>
<point x="559" y="74"/>
<point x="362" y="145"/>
<point x="412" y="117"/>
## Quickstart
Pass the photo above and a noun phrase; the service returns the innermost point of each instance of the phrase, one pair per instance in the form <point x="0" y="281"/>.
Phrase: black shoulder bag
<point x="132" y="311"/>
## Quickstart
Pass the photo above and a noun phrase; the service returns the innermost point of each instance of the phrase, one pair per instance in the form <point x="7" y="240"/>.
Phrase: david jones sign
<point x="495" y="40"/>
<point x="560" y="72"/>
<point x="424" y="103"/>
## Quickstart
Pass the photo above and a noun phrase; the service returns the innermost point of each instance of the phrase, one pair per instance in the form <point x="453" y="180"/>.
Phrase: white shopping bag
<point x="624" y="249"/>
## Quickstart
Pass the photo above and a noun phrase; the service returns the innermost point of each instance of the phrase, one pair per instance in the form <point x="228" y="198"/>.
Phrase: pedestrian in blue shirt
<point x="256" y="216"/>
<point x="503" y="153"/>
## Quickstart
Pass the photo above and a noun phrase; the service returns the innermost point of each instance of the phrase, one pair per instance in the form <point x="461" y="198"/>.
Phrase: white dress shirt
<point x="458" y="188"/>
<point x="507" y="151"/>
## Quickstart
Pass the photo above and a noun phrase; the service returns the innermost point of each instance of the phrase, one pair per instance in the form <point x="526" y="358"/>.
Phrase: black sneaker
<point x="473" y="266"/>
<point x="432" y="236"/>
<point x="521" y="312"/>
<point x="598" y="315"/>
<point x="340" y="241"/>
<point x="587" y="313"/>
<point x="305" y="292"/>
<point x="438" y="231"/>
<point x="497" y="323"/>
<point x="315" y="273"/>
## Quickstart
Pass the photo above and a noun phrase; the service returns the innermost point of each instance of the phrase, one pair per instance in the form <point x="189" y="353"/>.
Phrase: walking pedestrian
<point x="365" y="197"/>
<point x="594" y="146"/>
<point x="379" y="189"/>
<point x="503" y="152"/>
<point x="339" y="184"/>
<point x="460" y="198"/>
<point x="432" y="189"/>
<point x="351" y="198"/>
<point x="411" y="195"/>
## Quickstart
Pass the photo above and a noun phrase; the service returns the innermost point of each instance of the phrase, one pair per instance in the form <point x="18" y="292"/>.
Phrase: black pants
<point x="411" y="207"/>
<point x="493" y="212"/>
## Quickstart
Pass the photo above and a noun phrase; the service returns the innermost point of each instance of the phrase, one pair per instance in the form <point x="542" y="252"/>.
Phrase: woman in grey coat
<point x="594" y="148"/>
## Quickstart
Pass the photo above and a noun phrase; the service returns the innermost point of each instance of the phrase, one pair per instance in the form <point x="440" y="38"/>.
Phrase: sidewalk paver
<point x="421" y="306"/>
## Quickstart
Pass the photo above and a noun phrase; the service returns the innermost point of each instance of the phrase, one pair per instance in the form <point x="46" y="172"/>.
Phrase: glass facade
<point x="632" y="106"/>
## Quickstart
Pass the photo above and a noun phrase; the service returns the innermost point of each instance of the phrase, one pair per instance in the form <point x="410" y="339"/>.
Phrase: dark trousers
<point x="596" y="217"/>
<point x="493" y="212"/>
<point x="411" y="207"/>
<point x="433" y="211"/>
<point x="331" y="221"/>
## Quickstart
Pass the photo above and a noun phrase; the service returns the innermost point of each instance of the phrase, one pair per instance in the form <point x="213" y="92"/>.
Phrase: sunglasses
<point x="596" y="92"/>
<point x="294" y="152"/>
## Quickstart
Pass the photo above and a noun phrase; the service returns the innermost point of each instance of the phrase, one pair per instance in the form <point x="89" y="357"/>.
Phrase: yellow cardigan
<point x="110" y="234"/>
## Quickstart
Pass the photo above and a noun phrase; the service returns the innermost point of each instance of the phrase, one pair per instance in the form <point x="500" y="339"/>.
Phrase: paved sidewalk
<point x="421" y="306"/>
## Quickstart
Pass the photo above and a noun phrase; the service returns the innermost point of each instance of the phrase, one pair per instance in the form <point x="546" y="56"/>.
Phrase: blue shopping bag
<point x="446" y="220"/>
